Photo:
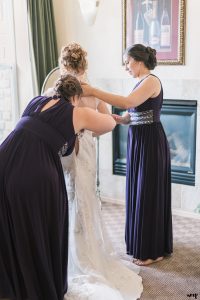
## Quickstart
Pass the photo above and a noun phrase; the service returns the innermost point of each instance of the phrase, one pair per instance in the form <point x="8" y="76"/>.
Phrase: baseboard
<point x="177" y="212"/>
<point x="187" y="214"/>
<point x="113" y="201"/>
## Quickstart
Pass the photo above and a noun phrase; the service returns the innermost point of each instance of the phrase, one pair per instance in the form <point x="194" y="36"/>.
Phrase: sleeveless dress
<point x="95" y="272"/>
<point x="33" y="204"/>
<point x="148" y="231"/>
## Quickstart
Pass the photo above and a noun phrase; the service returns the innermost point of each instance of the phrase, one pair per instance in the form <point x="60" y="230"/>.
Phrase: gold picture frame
<point x="141" y="19"/>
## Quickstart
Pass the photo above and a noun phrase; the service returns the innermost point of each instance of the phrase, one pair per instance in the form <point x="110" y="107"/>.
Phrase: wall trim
<point x="187" y="214"/>
<point x="176" y="212"/>
<point x="112" y="200"/>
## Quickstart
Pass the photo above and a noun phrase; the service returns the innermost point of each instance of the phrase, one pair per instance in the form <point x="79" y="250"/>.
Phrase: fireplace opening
<point x="179" y="121"/>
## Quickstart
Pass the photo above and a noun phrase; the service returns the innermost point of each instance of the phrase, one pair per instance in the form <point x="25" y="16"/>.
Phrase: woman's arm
<point x="148" y="88"/>
<point x="102" y="108"/>
<point x="87" y="118"/>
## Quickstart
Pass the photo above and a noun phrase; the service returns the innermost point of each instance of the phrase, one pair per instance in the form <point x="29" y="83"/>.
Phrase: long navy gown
<point x="148" y="231"/>
<point x="33" y="204"/>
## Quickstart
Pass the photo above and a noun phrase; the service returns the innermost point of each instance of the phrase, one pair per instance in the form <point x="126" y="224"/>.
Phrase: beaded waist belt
<point x="143" y="117"/>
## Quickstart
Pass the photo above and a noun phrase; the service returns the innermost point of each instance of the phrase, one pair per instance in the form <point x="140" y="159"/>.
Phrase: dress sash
<point x="144" y="117"/>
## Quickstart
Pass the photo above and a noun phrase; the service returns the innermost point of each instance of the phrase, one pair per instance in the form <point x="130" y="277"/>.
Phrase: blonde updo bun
<point x="73" y="59"/>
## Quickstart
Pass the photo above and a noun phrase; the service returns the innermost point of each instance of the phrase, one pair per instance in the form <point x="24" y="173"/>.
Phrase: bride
<point x="94" y="270"/>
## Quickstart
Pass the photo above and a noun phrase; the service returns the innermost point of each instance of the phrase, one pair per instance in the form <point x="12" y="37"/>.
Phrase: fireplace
<point x="179" y="121"/>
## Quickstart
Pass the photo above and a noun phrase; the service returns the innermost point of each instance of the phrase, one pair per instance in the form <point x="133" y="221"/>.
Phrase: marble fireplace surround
<point x="185" y="199"/>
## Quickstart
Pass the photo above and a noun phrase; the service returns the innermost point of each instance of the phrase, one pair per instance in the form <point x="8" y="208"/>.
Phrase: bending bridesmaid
<point x="33" y="198"/>
<point x="148" y="231"/>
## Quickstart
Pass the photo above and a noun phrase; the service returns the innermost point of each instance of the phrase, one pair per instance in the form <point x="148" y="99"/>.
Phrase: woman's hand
<point x="87" y="89"/>
<point x="118" y="119"/>
<point x="125" y="119"/>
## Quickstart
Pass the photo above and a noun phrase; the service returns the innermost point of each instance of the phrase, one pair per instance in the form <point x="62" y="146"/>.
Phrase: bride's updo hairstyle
<point x="73" y="59"/>
<point x="68" y="86"/>
<point x="142" y="53"/>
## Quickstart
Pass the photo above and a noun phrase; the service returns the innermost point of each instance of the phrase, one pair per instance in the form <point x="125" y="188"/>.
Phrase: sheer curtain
<point x="43" y="38"/>
<point x="9" y="102"/>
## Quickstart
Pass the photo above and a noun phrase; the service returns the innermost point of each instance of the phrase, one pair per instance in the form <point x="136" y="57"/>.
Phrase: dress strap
<point x="138" y="83"/>
<point x="145" y="77"/>
<point x="157" y="78"/>
<point x="150" y="74"/>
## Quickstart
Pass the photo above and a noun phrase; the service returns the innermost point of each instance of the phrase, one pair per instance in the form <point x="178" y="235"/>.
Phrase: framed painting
<point x="159" y="24"/>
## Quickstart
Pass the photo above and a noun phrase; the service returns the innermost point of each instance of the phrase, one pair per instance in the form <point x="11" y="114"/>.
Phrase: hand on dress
<point x="118" y="119"/>
<point x="121" y="119"/>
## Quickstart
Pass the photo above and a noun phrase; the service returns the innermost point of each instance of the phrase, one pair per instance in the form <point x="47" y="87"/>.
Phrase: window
<point x="8" y="79"/>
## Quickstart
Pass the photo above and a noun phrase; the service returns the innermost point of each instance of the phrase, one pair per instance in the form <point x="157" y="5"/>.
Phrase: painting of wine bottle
<point x="158" y="24"/>
<point x="139" y="25"/>
<point x="165" y="27"/>
<point x="154" y="27"/>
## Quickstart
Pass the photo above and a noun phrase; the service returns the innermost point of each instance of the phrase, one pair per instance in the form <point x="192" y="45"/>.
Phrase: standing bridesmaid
<point x="148" y="181"/>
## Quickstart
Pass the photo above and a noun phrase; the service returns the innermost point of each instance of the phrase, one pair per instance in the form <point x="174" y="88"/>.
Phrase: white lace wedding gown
<point x="94" y="271"/>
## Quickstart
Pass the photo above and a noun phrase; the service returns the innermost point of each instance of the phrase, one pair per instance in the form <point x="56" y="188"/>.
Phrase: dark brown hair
<point x="142" y="53"/>
<point x="68" y="86"/>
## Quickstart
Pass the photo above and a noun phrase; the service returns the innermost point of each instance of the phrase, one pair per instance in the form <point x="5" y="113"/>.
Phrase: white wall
<point x="23" y="60"/>
<point x="103" y="41"/>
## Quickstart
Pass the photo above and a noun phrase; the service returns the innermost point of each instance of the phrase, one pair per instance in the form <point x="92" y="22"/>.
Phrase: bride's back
<point x="90" y="102"/>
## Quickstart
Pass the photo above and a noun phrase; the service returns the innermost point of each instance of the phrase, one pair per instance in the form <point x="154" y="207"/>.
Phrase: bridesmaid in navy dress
<point x="148" y="231"/>
<point x="33" y="198"/>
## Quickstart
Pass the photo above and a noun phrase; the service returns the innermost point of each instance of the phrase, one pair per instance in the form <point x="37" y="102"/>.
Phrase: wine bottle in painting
<point x="165" y="35"/>
<point x="154" y="28"/>
<point x="139" y="26"/>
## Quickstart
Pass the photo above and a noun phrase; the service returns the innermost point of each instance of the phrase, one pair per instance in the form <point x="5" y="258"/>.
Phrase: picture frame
<point x="159" y="24"/>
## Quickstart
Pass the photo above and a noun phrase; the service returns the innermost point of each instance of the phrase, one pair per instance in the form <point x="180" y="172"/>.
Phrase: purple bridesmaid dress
<point x="33" y="204"/>
<point x="148" y="232"/>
